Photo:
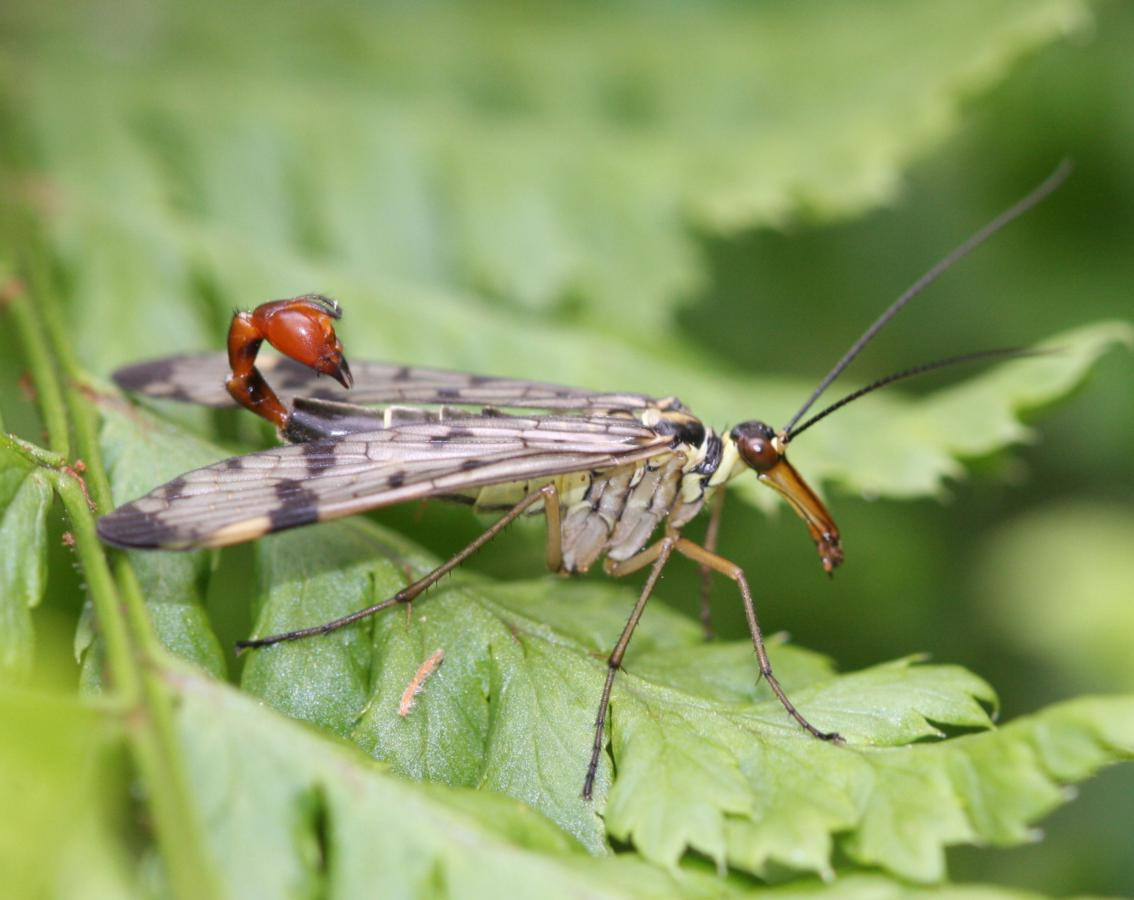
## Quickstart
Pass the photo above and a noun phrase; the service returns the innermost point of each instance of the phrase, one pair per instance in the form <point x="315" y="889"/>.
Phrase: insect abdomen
<point x="620" y="512"/>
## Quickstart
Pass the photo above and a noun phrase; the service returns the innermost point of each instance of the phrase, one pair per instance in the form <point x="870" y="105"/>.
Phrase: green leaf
<point x="294" y="812"/>
<point x="323" y="681"/>
<point x="291" y="812"/>
<point x="526" y="191"/>
<point x="597" y="141"/>
<point x="25" y="497"/>
<point x="874" y="887"/>
<point x="510" y="709"/>
<point x="300" y="812"/>
<point x="987" y="787"/>
<point x="752" y="789"/>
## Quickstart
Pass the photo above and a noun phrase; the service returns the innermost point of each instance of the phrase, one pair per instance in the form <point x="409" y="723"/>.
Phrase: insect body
<point x="608" y="471"/>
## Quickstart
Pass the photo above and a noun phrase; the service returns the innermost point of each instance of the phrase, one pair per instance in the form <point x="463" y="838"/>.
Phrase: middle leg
<point x="712" y="532"/>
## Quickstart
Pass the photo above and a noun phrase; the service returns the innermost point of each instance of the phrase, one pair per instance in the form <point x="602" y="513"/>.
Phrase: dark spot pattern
<point x="298" y="505"/>
<point x="175" y="489"/>
<point x="690" y="432"/>
<point x="127" y="527"/>
<point x="712" y="459"/>
<point x="318" y="457"/>
<point x="142" y="377"/>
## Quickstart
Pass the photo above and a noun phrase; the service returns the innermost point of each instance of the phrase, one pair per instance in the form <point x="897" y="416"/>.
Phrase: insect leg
<point x="658" y="554"/>
<point x="554" y="517"/>
<point x="731" y="570"/>
<point x="711" y="534"/>
<point x="412" y="591"/>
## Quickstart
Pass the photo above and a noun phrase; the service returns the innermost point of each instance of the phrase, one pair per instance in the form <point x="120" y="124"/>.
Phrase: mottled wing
<point x="245" y="497"/>
<point x="200" y="378"/>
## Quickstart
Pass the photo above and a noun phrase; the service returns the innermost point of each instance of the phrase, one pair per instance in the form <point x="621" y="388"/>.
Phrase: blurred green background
<point x="530" y="192"/>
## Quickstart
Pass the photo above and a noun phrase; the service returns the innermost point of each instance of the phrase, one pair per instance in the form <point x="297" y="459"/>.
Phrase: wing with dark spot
<point x="245" y="497"/>
<point x="200" y="378"/>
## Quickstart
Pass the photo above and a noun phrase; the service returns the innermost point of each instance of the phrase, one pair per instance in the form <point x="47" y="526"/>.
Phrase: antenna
<point x="976" y="356"/>
<point x="1046" y="187"/>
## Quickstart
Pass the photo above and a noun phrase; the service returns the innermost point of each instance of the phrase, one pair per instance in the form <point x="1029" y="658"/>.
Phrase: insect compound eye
<point x="757" y="445"/>
<point x="758" y="452"/>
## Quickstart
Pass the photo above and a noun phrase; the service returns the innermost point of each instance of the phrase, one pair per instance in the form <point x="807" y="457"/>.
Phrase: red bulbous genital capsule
<point x="301" y="328"/>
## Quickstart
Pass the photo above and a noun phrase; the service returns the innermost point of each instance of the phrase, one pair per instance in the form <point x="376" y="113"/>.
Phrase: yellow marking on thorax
<point x="731" y="463"/>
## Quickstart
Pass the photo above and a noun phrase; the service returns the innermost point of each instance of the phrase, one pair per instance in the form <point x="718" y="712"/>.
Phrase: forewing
<point x="244" y="497"/>
<point x="200" y="378"/>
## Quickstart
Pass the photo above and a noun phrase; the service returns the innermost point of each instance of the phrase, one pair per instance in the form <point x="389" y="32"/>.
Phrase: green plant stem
<point x="85" y="424"/>
<point x="80" y="411"/>
<point x="34" y="454"/>
<point x="149" y="714"/>
<point x="36" y="349"/>
<point x="135" y="659"/>
<point x="124" y="677"/>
